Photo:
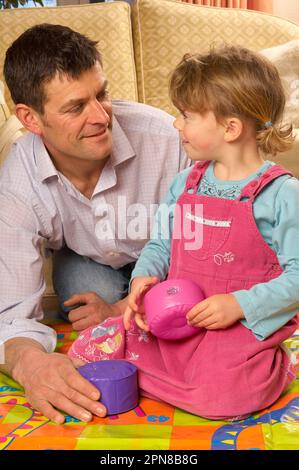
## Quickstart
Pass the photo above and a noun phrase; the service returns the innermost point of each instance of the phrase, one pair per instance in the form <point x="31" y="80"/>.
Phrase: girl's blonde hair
<point x="234" y="81"/>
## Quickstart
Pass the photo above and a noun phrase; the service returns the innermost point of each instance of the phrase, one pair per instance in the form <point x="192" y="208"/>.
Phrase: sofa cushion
<point x="290" y="159"/>
<point x="108" y="23"/>
<point x="4" y="111"/>
<point x="164" y="31"/>
<point x="10" y="127"/>
<point x="286" y="59"/>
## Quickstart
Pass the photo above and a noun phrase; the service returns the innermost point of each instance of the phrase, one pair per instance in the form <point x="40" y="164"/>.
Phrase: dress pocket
<point x="210" y="235"/>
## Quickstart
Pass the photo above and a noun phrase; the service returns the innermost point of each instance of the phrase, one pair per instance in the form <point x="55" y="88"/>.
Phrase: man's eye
<point x="77" y="108"/>
<point x="103" y="95"/>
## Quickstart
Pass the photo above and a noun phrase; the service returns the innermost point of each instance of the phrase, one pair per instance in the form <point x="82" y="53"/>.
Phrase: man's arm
<point x="13" y="352"/>
<point x="51" y="381"/>
<point x="22" y="280"/>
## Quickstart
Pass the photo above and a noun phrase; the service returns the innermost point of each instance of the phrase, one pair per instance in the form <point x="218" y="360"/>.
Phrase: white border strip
<point x="211" y="223"/>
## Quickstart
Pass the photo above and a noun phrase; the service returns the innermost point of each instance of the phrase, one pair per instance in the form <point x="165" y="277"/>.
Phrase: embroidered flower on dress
<point x="132" y="356"/>
<point x="227" y="257"/>
<point x="143" y="336"/>
<point x="134" y="330"/>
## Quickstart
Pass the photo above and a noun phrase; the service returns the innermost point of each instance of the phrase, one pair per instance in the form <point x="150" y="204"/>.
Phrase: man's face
<point x="77" y="119"/>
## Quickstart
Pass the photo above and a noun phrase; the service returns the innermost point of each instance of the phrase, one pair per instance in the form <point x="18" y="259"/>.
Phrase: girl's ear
<point x="234" y="128"/>
<point x="29" y="118"/>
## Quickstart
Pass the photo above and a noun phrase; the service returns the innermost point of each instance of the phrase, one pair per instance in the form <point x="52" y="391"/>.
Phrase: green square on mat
<point x="183" y="418"/>
<point x="139" y="436"/>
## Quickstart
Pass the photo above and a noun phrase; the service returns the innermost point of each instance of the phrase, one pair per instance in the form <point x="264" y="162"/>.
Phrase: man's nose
<point x="98" y="113"/>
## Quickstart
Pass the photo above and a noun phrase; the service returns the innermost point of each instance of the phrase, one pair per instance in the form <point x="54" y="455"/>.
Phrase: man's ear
<point x="234" y="128"/>
<point x="29" y="118"/>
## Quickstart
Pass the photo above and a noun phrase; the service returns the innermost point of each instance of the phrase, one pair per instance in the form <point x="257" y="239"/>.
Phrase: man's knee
<point x="73" y="273"/>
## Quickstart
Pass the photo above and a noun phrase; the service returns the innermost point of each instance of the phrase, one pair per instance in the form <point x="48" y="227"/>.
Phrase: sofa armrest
<point x="290" y="159"/>
<point x="10" y="131"/>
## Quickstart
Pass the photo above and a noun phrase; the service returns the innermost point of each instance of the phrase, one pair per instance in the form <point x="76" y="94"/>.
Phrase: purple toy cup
<point x="117" y="382"/>
<point x="166" y="306"/>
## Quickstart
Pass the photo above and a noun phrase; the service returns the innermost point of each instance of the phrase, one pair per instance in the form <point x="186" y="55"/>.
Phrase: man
<point x="71" y="183"/>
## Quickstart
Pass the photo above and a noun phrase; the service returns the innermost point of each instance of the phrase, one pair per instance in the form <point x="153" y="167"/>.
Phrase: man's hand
<point x="215" y="312"/>
<point x="139" y="287"/>
<point x="52" y="383"/>
<point x="93" y="310"/>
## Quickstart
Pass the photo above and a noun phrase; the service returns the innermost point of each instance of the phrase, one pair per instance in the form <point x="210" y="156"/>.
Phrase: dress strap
<point x="195" y="176"/>
<point x="252" y="189"/>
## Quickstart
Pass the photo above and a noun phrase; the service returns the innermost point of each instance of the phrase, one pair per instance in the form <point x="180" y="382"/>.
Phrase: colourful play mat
<point x="152" y="425"/>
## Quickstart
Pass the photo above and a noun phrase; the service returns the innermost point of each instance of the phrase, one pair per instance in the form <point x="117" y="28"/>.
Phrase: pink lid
<point x="166" y="306"/>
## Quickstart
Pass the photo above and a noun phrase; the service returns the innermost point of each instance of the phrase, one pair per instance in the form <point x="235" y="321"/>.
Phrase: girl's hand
<point x="139" y="287"/>
<point x="215" y="312"/>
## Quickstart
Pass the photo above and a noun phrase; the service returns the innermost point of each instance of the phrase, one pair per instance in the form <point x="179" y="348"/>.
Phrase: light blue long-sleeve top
<point x="266" y="306"/>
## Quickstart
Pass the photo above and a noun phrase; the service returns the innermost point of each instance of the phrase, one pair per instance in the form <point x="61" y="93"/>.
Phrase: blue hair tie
<point x="268" y="124"/>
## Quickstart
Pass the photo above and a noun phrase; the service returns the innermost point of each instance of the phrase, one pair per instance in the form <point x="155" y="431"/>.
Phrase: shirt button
<point x="101" y="213"/>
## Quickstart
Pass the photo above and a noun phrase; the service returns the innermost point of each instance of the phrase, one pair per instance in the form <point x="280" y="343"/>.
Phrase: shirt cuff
<point x="31" y="329"/>
<point x="251" y="320"/>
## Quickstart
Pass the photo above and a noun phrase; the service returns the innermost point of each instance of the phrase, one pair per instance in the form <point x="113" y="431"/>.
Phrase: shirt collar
<point x="121" y="147"/>
<point x="44" y="164"/>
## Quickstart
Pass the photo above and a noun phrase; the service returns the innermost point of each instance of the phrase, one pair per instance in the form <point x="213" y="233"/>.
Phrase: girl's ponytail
<point x="273" y="139"/>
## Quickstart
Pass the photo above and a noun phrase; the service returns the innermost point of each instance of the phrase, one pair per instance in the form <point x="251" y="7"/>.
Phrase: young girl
<point x="231" y="103"/>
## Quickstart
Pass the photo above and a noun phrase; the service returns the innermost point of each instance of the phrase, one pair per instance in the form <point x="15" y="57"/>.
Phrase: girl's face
<point x="202" y="136"/>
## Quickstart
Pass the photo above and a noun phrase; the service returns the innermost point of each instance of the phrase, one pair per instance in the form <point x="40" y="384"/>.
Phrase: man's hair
<point x="39" y="54"/>
<point x="234" y="81"/>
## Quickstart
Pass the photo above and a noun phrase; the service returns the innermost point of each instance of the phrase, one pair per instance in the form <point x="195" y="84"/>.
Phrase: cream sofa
<point x="140" y="47"/>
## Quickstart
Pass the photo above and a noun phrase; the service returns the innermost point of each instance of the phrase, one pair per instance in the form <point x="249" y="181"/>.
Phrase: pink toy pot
<point x="166" y="306"/>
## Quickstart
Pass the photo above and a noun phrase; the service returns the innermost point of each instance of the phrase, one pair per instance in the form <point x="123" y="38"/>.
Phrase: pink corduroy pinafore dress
<point x="219" y="374"/>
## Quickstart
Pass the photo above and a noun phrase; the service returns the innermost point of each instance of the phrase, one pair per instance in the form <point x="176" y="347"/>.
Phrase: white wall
<point x="287" y="8"/>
